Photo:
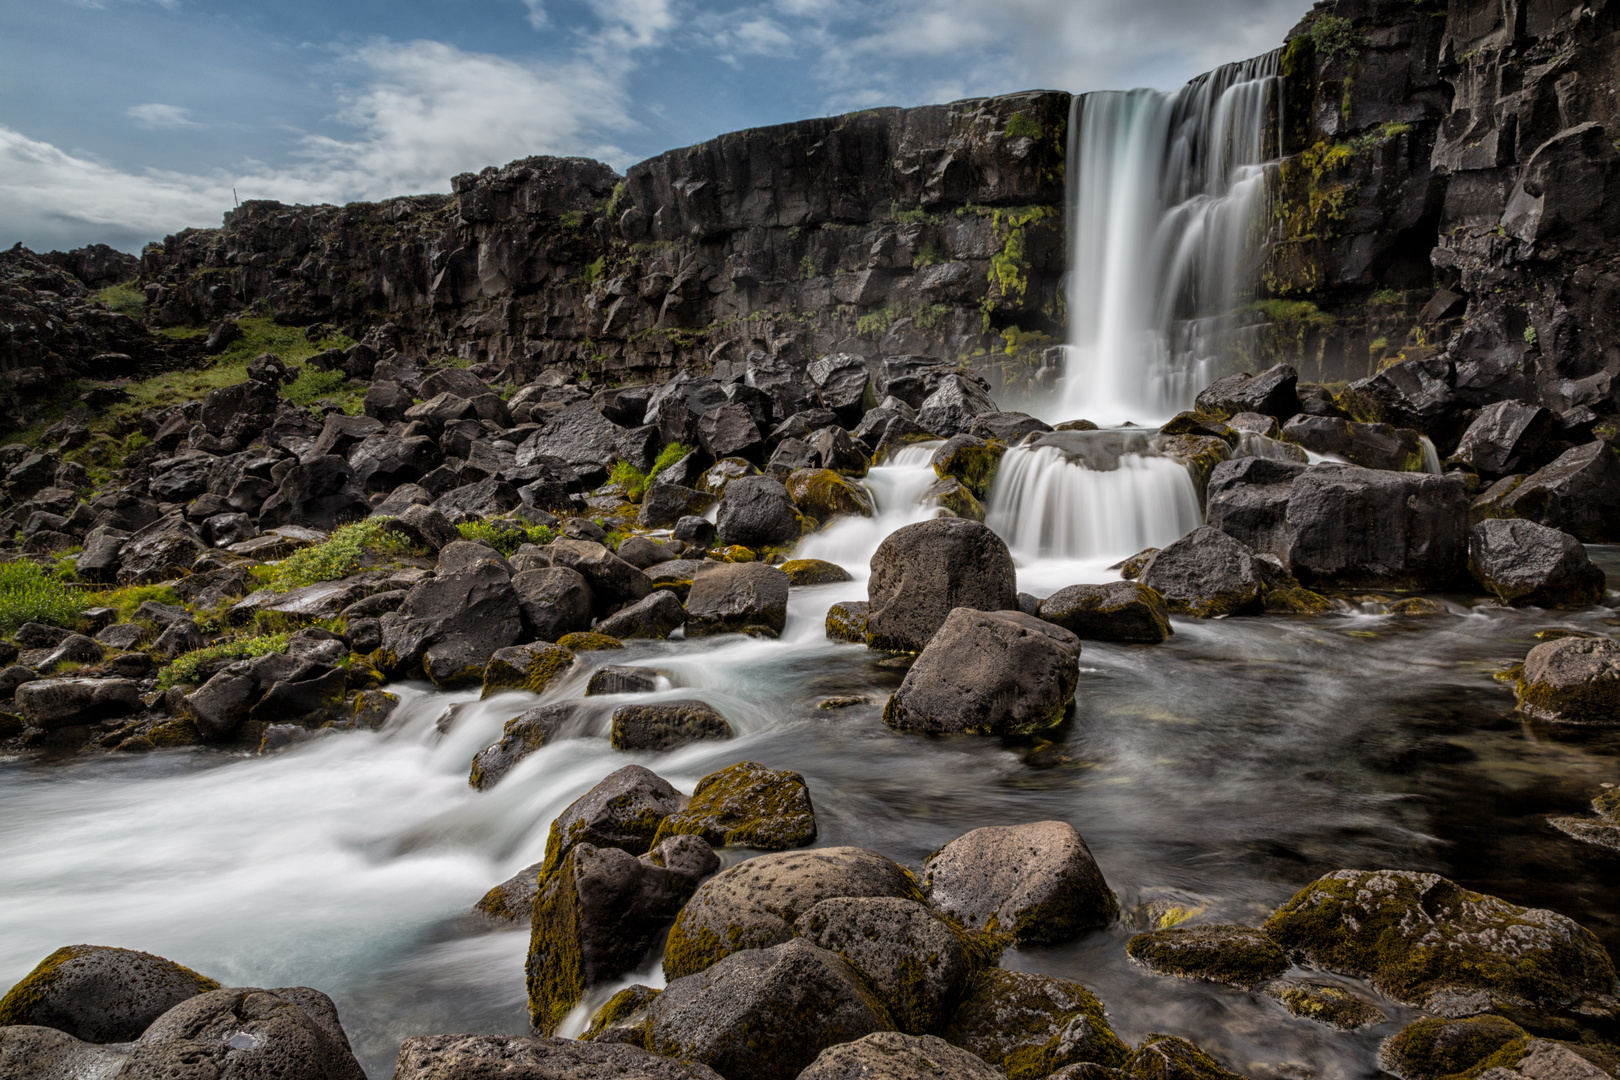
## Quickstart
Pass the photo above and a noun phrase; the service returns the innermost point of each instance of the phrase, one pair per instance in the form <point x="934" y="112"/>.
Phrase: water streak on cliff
<point x="1165" y="202"/>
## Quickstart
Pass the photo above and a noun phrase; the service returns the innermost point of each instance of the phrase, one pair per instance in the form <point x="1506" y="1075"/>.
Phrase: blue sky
<point x="124" y="120"/>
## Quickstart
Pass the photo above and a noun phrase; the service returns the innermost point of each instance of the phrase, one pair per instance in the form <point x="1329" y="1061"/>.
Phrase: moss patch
<point x="750" y="806"/>
<point x="1236" y="955"/>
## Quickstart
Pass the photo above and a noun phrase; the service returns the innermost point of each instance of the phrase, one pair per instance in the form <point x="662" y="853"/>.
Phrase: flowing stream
<point x="1218" y="772"/>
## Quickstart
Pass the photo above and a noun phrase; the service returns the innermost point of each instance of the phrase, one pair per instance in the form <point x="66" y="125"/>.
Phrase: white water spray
<point x="1165" y="200"/>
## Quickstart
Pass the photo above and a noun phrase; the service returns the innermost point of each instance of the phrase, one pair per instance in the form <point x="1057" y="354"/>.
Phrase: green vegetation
<point x="915" y="216"/>
<point x="1021" y="125"/>
<point x="186" y="668"/>
<point x="928" y="316"/>
<point x="505" y="535"/>
<point x="343" y="554"/>
<point x="1333" y="34"/>
<point x="311" y="385"/>
<point x="593" y="270"/>
<point x="807" y="268"/>
<point x="1385" y="297"/>
<point x="1529" y="335"/>
<point x="876" y="324"/>
<point x="611" y="210"/>
<point x="31" y="593"/>
<point x="125" y="299"/>
<point x="1009" y="267"/>
<point x="627" y="476"/>
<point x="930" y="255"/>
<point x="668" y="456"/>
<point x="1296" y="312"/>
<point x="126" y="599"/>
<point x="572" y="220"/>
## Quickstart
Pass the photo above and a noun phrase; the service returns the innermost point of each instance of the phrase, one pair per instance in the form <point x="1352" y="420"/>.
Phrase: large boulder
<point x="1165" y="1057"/>
<point x="1372" y="446"/>
<point x="730" y="431"/>
<point x="595" y="917"/>
<point x="532" y="668"/>
<point x="1573" y="680"/>
<point x="989" y="673"/>
<point x="320" y="494"/>
<point x="1118" y="611"/>
<point x="450" y="625"/>
<point x="527" y="1057"/>
<point x="1425" y="941"/>
<point x="764" y="1014"/>
<point x="1273" y="392"/>
<point x="919" y="961"/>
<point x="729" y="598"/>
<point x="923" y="572"/>
<point x="1507" y="437"/>
<point x="890" y="1055"/>
<point x="59" y="703"/>
<point x="1577" y="494"/>
<point x="100" y="994"/>
<point x="623" y="811"/>
<point x="1436" y="1047"/>
<point x="656" y="615"/>
<point x="554" y="601"/>
<point x="1205" y="574"/>
<point x="824" y="495"/>
<point x="754" y="904"/>
<point x="164" y="549"/>
<point x="757" y="511"/>
<point x="244" y="1034"/>
<point x="971" y="461"/>
<point x="1034" y="882"/>
<point x="42" y="1053"/>
<point x="747" y="805"/>
<point x="1031" y="1025"/>
<point x="613" y="581"/>
<point x="1525" y="563"/>
<point x="953" y="403"/>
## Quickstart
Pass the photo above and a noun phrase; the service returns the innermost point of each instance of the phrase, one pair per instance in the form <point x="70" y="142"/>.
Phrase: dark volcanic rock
<point x="520" y="737"/>
<point x="922" y="572"/>
<point x="1507" y="437"/>
<point x="1117" y="611"/>
<point x="1372" y="446"/>
<point x="525" y="1057"/>
<point x="101" y="994"/>
<point x="1572" y="681"/>
<point x="1236" y="955"/>
<point x="656" y="615"/>
<point x="235" y="1034"/>
<point x="1205" y="574"/>
<point x="554" y="601"/>
<point x="1035" y="882"/>
<point x="988" y="673"/>
<point x="747" y="805"/>
<point x="1031" y="1025"/>
<point x="1272" y="393"/>
<point x="666" y="725"/>
<point x="1577" y="494"/>
<point x="733" y="598"/>
<point x="623" y="811"/>
<point x="757" y="511"/>
<point x="450" y="625"/>
<point x="318" y="494"/>
<point x="1525" y="563"/>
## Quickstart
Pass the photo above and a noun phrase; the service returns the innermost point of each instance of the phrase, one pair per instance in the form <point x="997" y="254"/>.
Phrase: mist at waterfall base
<point x="1218" y="772"/>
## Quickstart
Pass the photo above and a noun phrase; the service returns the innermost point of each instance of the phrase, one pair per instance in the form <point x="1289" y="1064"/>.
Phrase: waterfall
<point x="1166" y="193"/>
<point x="1094" y="496"/>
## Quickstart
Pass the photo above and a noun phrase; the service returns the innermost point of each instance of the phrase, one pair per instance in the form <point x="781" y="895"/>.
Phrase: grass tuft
<point x="504" y="534"/>
<point x="187" y="666"/>
<point x="30" y="592"/>
<point x="341" y="555"/>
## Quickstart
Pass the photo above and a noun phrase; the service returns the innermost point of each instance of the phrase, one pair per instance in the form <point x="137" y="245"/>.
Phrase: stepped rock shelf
<point x="691" y="624"/>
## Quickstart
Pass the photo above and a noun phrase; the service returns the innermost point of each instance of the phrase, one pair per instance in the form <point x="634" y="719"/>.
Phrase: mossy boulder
<point x="754" y="904"/>
<point x="372" y="708"/>
<point x="764" y="1014"/>
<point x="665" y="725"/>
<point x="512" y="901"/>
<point x="1200" y="453"/>
<point x="824" y="495"/>
<point x="100" y="994"/>
<point x="923" y="572"/>
<point x="531" y="1057"/>
<point x="970" y="460"/>
<point x="1295" y="600"/>
<point x="1030" y="1025"/>
<point x="589" y="642"/>
<point x="520" y="737"/>
<point x="1420" y="938"/>
<point x="847" y="622"/>
<point x="952" y="496"/>
<point x="1118" y="611"/>
<point x="813" y="572"/>
<point x="747" y="805"/>
<point x="1574" y="680"/>
<point x="28" y="1052"/>
<point x="291" y="1031"/>
<point x="919" y="961"/>
<point x="1165" y="1057"/>
<point x="1207" y="574"/>
<point x="525" y="667"/>
<point x="1194" y="423"/>
<point x="890" y="1055"/>
<point x="1036" y="883"/>
<point x="1433" y="1048"/>
<point x="1324" y="1003"/>
<point x="623" y="1018"/>
<point x="1603" y="830"/>
<point x="623" y="811"/>
<point x="1239" y="956"/>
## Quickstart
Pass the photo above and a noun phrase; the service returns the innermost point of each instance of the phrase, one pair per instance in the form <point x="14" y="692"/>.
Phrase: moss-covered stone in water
<point x="825" y="495"/>
<point x="1295" y="601"/>
<point x="847" y="622"/>
<point x="1236" y="955"/>
<point x="1432" y="1048"/>
<point x="1418" y="935"/>
<point x="100" y="994"/>
<point x="526" y="667"/>
<point x="585" y="641"/>
<point x="1331" y="1005"/>
<point x="1031" y="1025"/>
<point x="1572" y="681"/>
<point x="556" y="968"/>
<point x="1200" y="453"/>
<point x="372" y="708"/>
<point x="970" y="460"/>
<point x="1132" y="568"/>
<point x="736" y="553"/>
<point x="747" y="805"/>
<point x="952" y="495"/>
<point x="813" y="572"/>
<point x="1607" y="805"/>
<point x="1192" y="423"/>
<point x="623" y="1019"/>
<point x="513" y="899"/>
<point x="1165" y="1057"/>
<point x="1417" y="607"/>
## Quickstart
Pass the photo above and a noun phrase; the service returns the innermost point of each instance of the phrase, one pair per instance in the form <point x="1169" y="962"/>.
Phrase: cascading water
<point x="1164" y="204"/>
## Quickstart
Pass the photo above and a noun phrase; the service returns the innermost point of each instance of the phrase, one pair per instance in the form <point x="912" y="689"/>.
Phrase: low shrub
<point x="30" y="592"/>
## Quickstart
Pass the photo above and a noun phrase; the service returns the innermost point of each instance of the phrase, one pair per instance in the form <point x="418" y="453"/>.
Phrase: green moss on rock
<point x="847" y="622"/>
<point x="824" y="495"/>
<point x="813" y="572"/>
<point x="1236" y="955"/>
<point x="1031" y="1025"/>
<point x="585" y="641"/>
<point x="100" y="994"/>
<point x="623" y="1019"/>
<point x="556" y="968"/>
<point x="970" y="460"/>
<point x="747" y="805"/>
<point x="1434" y="1048"/>
<point x="1165" y="1057"/>
<point x="1325" y="1004"/>
<point x="526" y="667"/>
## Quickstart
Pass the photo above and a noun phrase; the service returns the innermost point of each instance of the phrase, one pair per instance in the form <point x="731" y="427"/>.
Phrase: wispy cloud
<point x="156" y="116"/>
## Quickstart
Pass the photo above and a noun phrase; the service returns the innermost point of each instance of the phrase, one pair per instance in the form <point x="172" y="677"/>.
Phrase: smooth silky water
<point x="1218" y="772"/>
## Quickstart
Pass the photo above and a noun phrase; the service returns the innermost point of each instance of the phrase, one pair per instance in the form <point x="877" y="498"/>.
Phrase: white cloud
<point x="537" y="13"/>
<point x="160" y="116"/>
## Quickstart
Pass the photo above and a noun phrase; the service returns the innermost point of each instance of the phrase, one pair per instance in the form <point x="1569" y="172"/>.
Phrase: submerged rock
<point x="666" y="725"/>
<point x="747" y="805"/>
<point x="1033" y="883"/>
<point x="1118" y="611"/>
<point x="988" y="673"/>
<point x="1573" y="680"/>
<point x="1239" y="956"/>
<point x="754" y="904"/>
<point x="1324" y="1003"/>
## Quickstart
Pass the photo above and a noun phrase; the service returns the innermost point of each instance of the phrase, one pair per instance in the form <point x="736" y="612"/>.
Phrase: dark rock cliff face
<point x="935" y="230"/>
<point x="1452" y="203"/>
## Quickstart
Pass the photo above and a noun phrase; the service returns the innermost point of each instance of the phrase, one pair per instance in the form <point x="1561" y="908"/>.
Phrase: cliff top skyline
<point x="124" y="120"/>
